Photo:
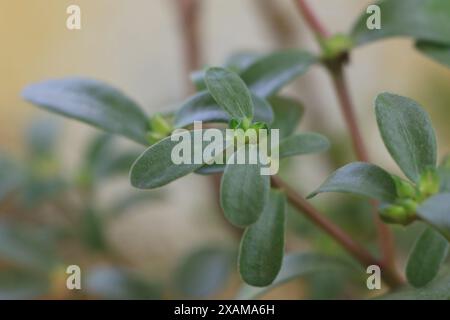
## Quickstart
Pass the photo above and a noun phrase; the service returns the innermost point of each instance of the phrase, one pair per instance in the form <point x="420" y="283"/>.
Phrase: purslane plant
<point x="245" y="94"/>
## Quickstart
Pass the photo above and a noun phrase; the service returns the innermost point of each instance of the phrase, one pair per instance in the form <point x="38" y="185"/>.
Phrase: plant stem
<point x="336" y="70"/>
<point x="188" y="15"/>
<point x="311" y="19"/>
<point x="389" y="274"/>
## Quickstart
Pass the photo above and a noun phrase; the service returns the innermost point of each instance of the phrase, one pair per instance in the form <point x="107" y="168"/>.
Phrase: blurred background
<point x="64" y="192"/>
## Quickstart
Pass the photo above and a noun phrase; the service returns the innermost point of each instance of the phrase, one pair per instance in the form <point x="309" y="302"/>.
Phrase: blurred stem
<point x="389" y="274"/>
<point x="189" y="13"/>
<point x="336" y="70"/>
<point x="189" y="27"/>
<point x="311" y="19"/>
<point x="385" y="237"/>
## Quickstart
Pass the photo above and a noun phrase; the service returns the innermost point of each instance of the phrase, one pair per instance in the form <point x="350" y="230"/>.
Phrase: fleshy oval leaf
<point x="93" y="102"/>
<point x="363" y="179"/>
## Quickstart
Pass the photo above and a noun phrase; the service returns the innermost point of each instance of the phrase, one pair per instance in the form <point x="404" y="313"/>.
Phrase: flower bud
<point x="397" y="214"/>
<point x="160" y="125"/>
<point x="429" y="183"/>
<point x="404" y="189"/>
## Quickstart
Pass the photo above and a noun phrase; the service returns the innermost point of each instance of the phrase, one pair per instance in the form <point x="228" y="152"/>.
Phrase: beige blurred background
<point x="137" y="45"/>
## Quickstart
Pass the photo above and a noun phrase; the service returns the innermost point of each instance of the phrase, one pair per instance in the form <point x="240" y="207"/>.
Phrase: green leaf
<point x="202" y="107"/>
<point x="438" y="289"/>
<point x="262" y="246"/>
<point x="436" y="212"/>
<point x="155" y="168"/>
<point x="287" y="114"/>
<point x="243" y="191"/>
<point x="118" y="283"/>
<point x="92" y="230"/>
<point x="436" y="51"/>
<point x="93" y="102"/>
<point x="240" y="61"/>
<point x="198" y="78"/>
<point x="237" y="62"/>
<point x="294" y="266"/>
<point x="304" y="143"/>
<point x="102" y="160"/>
<point x="420" y="19"/>
<point x="362" y="179"/>
<point x="211" y="169"/>
<point x="426" y="257"/>
<point x="204" y="272"/>
<point x="444" y="178"/>
<point x="18" y="285"/>
<point x="41" y="137"/>
<point x="27" y="248"/>
<point x="269" y="74"/>
<point x="11" y="176"/>
<point x="127" y="201"/>
<point x="230" y="92"/>
<point x="407" y="133"/>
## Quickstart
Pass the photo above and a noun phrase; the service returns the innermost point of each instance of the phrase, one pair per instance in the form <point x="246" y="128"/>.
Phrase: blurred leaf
<point x="244" y="191"/>
<point x="436" y="51"/>
<point x="37" y="190"/>
<point x="288" y="113"/>
<point x="93" y="102"/>
<point x="295" y="265"/>
<point x="41" y="137"/>
<point x="303" y="143"/>
<point x="362" y="179"/>
<point x="230" y="92"/>
<point x="444" y="177"/>
<point x="237" y="62"/>
<point x="198" y="79"/>
<point x="26" y="248"/>
<point x="123" y="204"/>
<point x="426" y="257"/>
<point x="155" y="168"/>
<point x="204" y="272"/>
<point x="211" y="169"/>
<point x="269" y="74"/>
<point x="11" y="176"/>
<point x="20" y="285"/>
<point x="420" y="19"/>
<point x="326" y="286"/>
<point x="92" y="230"/>
<point x="262" y="245"/>
<point x="436" y="212"/>
<point x="240" y="61"/>
<point x="117" y="284"/>
<point x="438" y="289"/>
<point x="102" y="160"/>
<point x="407" y="133"/>
<point x="202" y="107"/>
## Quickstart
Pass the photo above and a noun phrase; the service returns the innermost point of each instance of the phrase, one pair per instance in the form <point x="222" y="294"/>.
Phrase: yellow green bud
<point x="154" y="137"/>
<point x="429" y="183"/>
<point x="336" y="45"/>
<point x="160" y="125"/>
<point x="397" y="214"/>
<point x="404" y="188"/>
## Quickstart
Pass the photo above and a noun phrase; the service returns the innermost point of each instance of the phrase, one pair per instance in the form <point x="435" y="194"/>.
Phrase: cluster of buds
<point x="403" y="210"/>
<point x="242" y="128"/>
<point x="160" y="128"/>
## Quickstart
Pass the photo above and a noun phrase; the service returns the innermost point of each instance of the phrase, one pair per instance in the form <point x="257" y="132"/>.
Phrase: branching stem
<point x="336" y="70"/>
<point x="389" y="274"/>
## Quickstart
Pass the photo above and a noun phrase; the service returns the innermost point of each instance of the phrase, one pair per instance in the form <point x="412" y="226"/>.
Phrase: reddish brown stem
<point x="390" y="275"/>
<point x="189" y="27"/>
<point x="335" y="67"/>
<point x="313" y="22"/>
<point x="385" y="238"/>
